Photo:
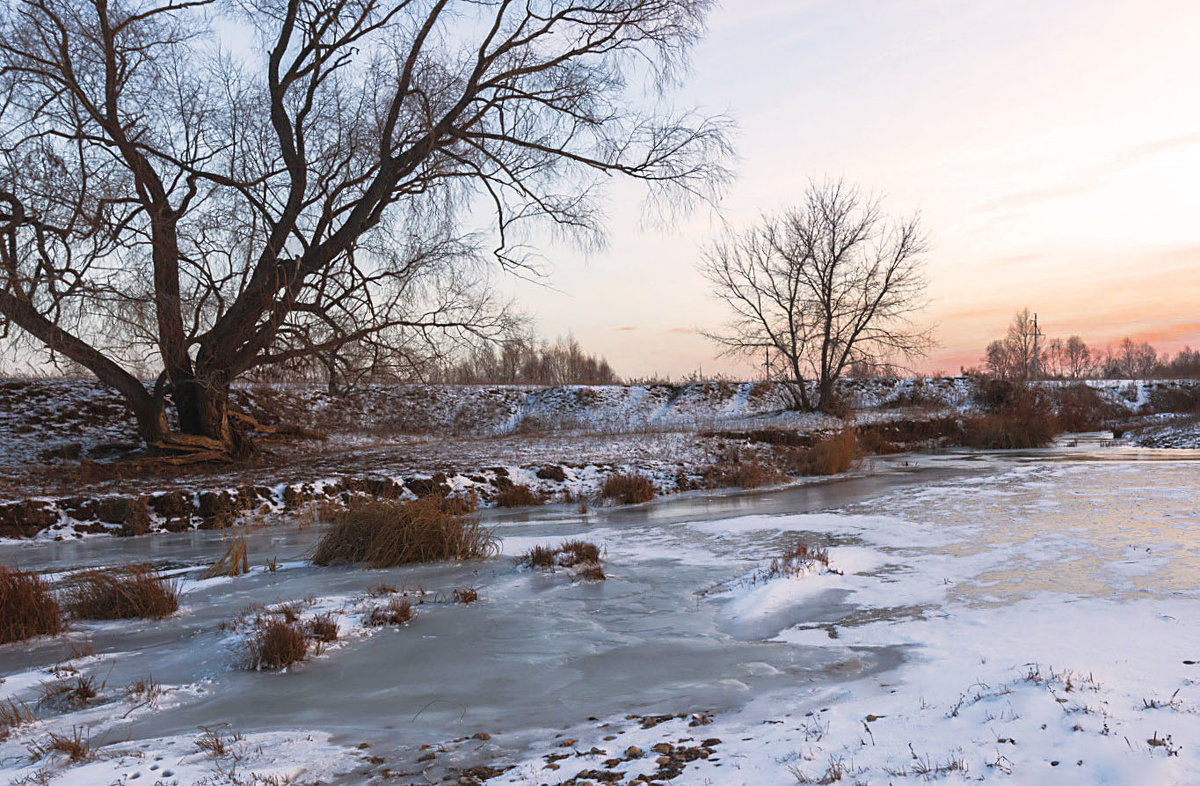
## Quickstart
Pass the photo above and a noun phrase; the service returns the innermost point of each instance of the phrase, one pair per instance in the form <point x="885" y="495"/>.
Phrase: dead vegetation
<point x="276" y="644"/>
<point x="628" y="488"/>
<point x="397" y="611"/>
<point x="517" y="496"/>
<point x="131" y="592"/>
<point x="580" y="557"/>
<point x="27" y="607"/>
<point x="69" y="693"/>
<point x="388" y="534"/>
<point x="76" y="747"/>
<point x="797" y="560"/>
<point x="323" y="629"/>
<point x="234" y="562"/>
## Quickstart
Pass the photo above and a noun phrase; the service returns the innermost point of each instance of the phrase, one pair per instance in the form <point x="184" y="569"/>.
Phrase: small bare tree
<point x="1012" y="357"/>
<point x="205" y="210"/>
<point x="823" y="285"/>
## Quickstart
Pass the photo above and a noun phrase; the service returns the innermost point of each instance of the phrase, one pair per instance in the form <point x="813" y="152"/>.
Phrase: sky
<point x="1052" y="150"/>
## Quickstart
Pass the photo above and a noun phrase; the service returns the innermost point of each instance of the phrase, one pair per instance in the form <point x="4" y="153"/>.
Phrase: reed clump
<point x="386" y="534"/>
<point x="131" y="592"/>
<point x="629" y="488"/>
<point x="27" y="607"/>
<point x="276" y="644"/>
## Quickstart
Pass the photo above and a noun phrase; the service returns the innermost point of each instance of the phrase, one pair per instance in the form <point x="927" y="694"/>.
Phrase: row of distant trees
<point x="1025" y="354"/>
<point x="523" y="360"/>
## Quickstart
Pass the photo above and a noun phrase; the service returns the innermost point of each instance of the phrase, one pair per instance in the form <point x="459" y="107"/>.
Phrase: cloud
<point x="683" y="331"/>
<point x="1089" y="179"/>
<point x="626" y="328"/>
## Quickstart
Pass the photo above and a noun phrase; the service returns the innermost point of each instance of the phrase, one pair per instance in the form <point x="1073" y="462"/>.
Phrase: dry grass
<point x="628" y="488"/>
<point x="465" y="595"/>
<point x="833" y="455"/>
<point x="387" y="534"/>
<point x="747" y="474"/>
<point x="518" y="496"/>
<point x="323" y="629"/>
<point x="795" y="561"/>
<point x="27" y="608"/>
<point x="276" y="645"/>
<point x="397" y="611"/>
<point x="67" y="693"/>
<point x="234" y="562"/>
<point x="75" y="747"/>
<point x="580" y="556"/>
<point x="14" y="713"/>
<point x="134" y="591"/>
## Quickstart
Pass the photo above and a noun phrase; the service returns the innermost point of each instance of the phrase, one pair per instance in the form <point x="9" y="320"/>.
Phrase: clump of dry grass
<point x="518" y="496"/>
<point x="465" y="595"/>
<point x="134" y="591"/>
<point x="234" y="562"/>
<point x="75" y="747"/>
<point x="582" y="557"/>
<point x="749" y="474"/>
<point x="323" y="628"/>
<point x="397" y="611"/>
<point x="68" y="693"/>
<point x="796" y="560"/>
<point x="385" y="534"/>
<point x="14" y="713"/>
<point x="628" y="488"/>
<point x="27" y="608"/>
<point x="276" y="644"/>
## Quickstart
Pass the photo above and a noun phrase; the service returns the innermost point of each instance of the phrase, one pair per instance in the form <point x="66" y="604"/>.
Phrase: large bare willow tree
<point x="822" y="285"/>
<point x="213" y="186"/>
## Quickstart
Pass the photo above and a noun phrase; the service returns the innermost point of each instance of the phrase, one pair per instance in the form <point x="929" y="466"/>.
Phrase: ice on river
<point x="1030" y="619"/>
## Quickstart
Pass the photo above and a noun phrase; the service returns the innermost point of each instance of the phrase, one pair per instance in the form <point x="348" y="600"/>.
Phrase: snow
<point x="1030" y="621"/>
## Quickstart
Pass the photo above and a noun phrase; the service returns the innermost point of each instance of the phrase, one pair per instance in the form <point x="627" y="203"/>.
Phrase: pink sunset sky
<point x="1052" y="149"/>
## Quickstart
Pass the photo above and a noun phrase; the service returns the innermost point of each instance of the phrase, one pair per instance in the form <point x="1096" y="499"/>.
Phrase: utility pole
<point x="1037" y="356"/>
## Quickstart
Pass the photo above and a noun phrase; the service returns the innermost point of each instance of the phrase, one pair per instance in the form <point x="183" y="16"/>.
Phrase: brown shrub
<point x="134" y="591"/>
<point x="628" y="488"/>
<point x="898" y="436"/>
<point x="27" y="608"/>
<point x="517" y="497"/>
<point x="828" y="456"/>
<point x="577" y="551"/>
<point x="397" y="611"/>
<point x="276" y="645"/>
<point x="538" y="557"/>
<point x="1009" y="432"/>
<point x="1185" y="400"/>
<point x="580" y="556"/>
<point x="1082" y="408"/>
<point x="743" y="474"/>
<point x="387" y="533"/>
<point x="323" y="628"/>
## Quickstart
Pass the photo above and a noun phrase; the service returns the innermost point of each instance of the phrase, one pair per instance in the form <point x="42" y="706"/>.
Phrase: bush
<point x="579" y="556"/>
<point x="27" y="608"/>
<point x="1184" y="400"/>
<point x="1010" y="431"/>
<point x="1082" y="408"/>
<point x="135" y="591"/>
<point x="397" y="611"/>
<point x="276" y="645"/>
<point x="323" y="629"/>
<point x="520" y="496"/>
<point x="743" y="474"/>
<point x="628" y="488"/>
<point x="828" y="456"/>
<point x="385" y="534"/>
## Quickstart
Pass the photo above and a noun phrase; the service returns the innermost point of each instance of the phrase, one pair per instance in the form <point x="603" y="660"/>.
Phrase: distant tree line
<point x="1021" y="354"/>
<point x="524" y="360"/>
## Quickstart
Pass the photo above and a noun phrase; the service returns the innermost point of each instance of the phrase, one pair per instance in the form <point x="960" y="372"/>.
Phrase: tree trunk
<point x="203" y="410"/>
<point x="826" y="395"/>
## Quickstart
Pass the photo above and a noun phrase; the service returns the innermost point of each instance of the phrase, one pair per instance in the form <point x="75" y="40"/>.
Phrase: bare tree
<point x="1078" y="362"/>
<point x="1012" y="357"/>
<point x="209" y="209"/>
<point x="823" y="285"/>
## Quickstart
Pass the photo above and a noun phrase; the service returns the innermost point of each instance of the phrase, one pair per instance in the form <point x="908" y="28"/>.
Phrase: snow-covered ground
<point x="1025" y="618"/>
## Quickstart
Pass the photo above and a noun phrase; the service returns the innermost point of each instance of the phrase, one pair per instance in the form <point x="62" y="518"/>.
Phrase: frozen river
<point x="952" y="572"/>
